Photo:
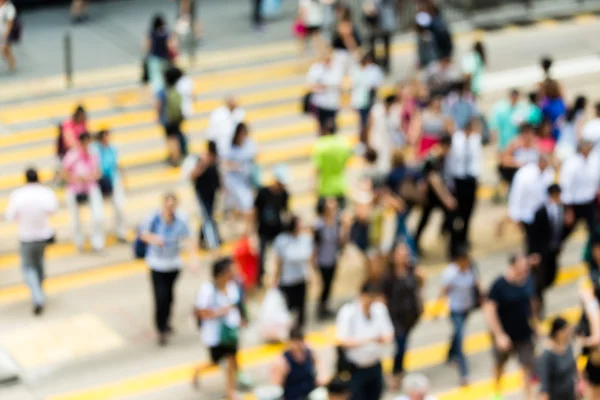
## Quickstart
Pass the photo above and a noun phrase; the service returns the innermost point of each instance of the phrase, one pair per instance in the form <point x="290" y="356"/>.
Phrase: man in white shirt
<point x="222" y="123"/>
<point x="30" y="206"/>
<point x="324" y="80"/>
<point x="8" y="16"/>
<point x="580" y="182"/>
<point x="529" y="192"/>
<point x="364" y="328"/>
<point x="465" y="167"/>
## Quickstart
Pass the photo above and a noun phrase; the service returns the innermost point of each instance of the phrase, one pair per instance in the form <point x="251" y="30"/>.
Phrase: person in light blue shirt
<point x="507" y="116"/>
<point x="111" y="183"/>
<point x="166" y="232"/>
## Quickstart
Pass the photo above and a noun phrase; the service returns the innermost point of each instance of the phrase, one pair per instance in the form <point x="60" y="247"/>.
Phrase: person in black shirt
<point x="271" y="201"/>
<point x="207" y="181"/>
<point x="508" y="312"/>
<point x="438" y="194"/>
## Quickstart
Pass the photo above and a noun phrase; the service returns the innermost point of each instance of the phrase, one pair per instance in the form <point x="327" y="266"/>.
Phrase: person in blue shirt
<point x="554" y="108"/>
<point x="111" y="180"/>
<point x="166" y="232"/>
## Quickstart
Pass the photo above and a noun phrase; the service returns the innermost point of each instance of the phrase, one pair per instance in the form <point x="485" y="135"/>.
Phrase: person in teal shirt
<point x="331" y="155"/>
<point x="473" y="65"/>
<point x="111" y="183"/>
<point x="534" y="114"/>
<point x="506" y="118"/>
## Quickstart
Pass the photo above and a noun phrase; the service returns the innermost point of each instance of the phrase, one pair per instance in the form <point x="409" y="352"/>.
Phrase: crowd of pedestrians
<point x="419" y="148"/>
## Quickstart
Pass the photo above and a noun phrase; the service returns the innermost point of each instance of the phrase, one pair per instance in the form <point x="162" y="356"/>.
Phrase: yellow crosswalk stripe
<point x="416" y="359"/>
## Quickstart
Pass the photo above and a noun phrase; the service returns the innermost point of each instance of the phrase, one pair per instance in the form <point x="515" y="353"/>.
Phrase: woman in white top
<point x="367" y="78"/>
<point x="325" y="85"/>
<point x="239" y="171"/>
<point x="311" y="14"/>
<point x="294" y="251"/>
<point x="221" y="314"/>
<point x="383" y="131"/>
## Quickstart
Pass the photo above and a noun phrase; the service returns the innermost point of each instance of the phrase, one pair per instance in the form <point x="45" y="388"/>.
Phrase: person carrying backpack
<point x="171" y="116"/>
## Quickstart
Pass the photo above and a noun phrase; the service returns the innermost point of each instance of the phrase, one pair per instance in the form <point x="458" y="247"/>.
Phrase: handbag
<point x="229" y="336"/>
<point x="307" y="106"/>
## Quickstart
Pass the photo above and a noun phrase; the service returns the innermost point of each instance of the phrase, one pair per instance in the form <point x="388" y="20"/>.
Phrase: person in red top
<point x="71" y="129"/>
<point x="81" y="171"/>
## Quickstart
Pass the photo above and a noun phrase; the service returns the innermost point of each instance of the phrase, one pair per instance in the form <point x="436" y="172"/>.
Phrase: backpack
<point x="140" y="248"/>
<point x="173" y="111"/>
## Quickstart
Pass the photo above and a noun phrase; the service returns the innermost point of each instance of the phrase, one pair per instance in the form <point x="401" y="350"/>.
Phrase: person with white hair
<point x="416" y="387"/>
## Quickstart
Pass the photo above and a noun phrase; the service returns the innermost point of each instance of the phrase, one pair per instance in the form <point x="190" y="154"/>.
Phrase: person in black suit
<point x="545" y="241"/>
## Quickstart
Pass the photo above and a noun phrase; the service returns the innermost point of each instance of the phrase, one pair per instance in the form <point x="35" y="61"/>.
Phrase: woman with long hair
<point x="346" y="40"/>
<point x="160" y="46"/>
<point x="402" y="290"/>
<point x="473" y="65"/>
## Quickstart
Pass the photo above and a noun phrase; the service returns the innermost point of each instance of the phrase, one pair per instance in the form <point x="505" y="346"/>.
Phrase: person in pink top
<point x="72" y="128"/>
<point x="81" y="171"/>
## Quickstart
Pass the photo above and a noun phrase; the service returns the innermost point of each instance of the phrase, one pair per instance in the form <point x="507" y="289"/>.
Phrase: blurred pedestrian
<point x="294" y="261"/>
<point x="571" y="128"/>
<point x="473" y="66"/>
<point x="79" y="11"/>
<point x="160" y="47"/>
<point x="383" y="130"/>
<point x="185" y="88"/>
<point x="188" y="27"/>
<point x="556" y="366"/>
<point x="508" y="313"/>
<point x="30" y="206"/>
<point x="427" y="48"/>
<point x="416" y="387"/>
<point x="382" y="23"/>
<point x="171" y="115"/>
<point x="9" y="31"/>
<point x="111" y="180"/>
<point x="363" y="349"/>
<point x="346" y="40"/>
<point x="324" y="79"/>
<point x="220" y="309"/>
<point x="270" y="206"/>
<point x="554" y="108"/>
<point x="402" y="286"/>
<point x="523" y="150"/>
<point x="257" y="15"/>
<point x="311" y="14"/>
<point x="71" y="129"/>
<point x="81" y="171"/>
<point x="297" y="370"/>
<point x="433" y="125"/>
<point x="166" y="232"/>
<point x="222" y="124"/>
<point x="367" y="78"/>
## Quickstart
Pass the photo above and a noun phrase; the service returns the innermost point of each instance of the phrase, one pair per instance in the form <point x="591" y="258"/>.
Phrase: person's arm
<point x="279" y="371"/>
<point x="199" y="168"/>
<point x="592" y="311"/>
<point x="203" y="304"/>
<point x="544" y="372"/>
<point x="387" y="327"/>
<point x="313" y="78"/>
<point x="507" y="158"/>
<point x="501" y="339"/>
<point x="516" y="197"/>
<point x="437" y="184"/>
<point x="347" y="36"/>
<point x="395" y="202"/>
<point x="148" y="236"/>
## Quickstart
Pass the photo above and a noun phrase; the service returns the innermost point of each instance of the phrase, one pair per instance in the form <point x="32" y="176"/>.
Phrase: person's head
<point x="158" y="23"/>
<point x="338" y="388"/>
<point x="84" y="141"/>
<point x="416" y="386"/>
<point x="554" y="193"/>
<point x="435" y="103"/>
<point x="327" y="208"/>
<point x="527" y="133"/>
<point x="552" y="90"/>
<point x="400" y="256"/>
<point x="513" y="96"/>
<point x="398" y="160"/>
<point x="222" y="271"/>
<point x="479" y="48"/>
<point x="533" y="97"/>
<point x="343" y="13"/>
<point x="79" y="116"/>
<point x="585" y="147"/>
<point x="389" y="101"/>
<point x="579" y="106"/>
<point x="31" y="175"/>
<point x="370" y="156"/>
<point x="545" y="130"/>
<point x="293" y="225"/>
<point x="422" y="21"/>
<point x="544" y="161"/>
<point x="462" y="258"/>
<point x="172" y="75"/>
<point x="240" y="134"/>
<point x="231" y="103"/>
<point x="103" y="137"/>
<point x="296" y="341"/>
<point x="369" y="293"/>
<point x="368" y="59"/>
<point x="519" y="267"/>
<point x="281" y="176"/>
<point x="546" y="64"/>
<point x="329" y="127"/>
<point x="560" y="331"/>
<point x="445" y="144"/>
<point x="169" y="205"/>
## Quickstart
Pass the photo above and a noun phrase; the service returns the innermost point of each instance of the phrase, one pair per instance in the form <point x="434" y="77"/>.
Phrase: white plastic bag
<point x="274" y="319"/>
<point x="188" y="165"/>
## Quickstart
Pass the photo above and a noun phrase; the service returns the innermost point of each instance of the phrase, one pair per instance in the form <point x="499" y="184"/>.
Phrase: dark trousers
<point x="546" y="273"/>
<point x="401" y="347"/>
<point x="295" y="297"/>
<point x="327" y="275"/>
<point x="456" y="352"/>
<point x="209" y="231"/>
<point x="466" y="196"/>
<point x="257" y="18"/>
<point x="583" y="212"/>
<point x="449" y="225"/>
<point x="367" y="383"/>
<point x="507" y="174"/>
<point x="385" y="38"/>
<point x="327" y="119"/>
<point x="163" y="283"/>
<point x="264" y="243"/>
<point x="363" y="115"/>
